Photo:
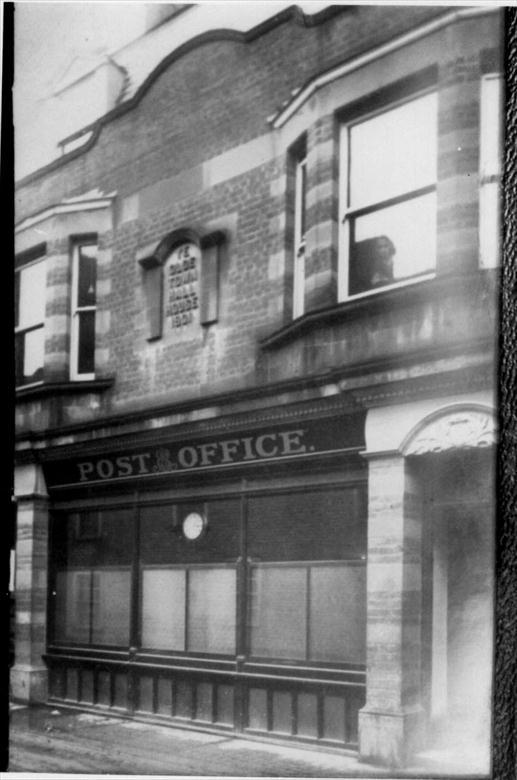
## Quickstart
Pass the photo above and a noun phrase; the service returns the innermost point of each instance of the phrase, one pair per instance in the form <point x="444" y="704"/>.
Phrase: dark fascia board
<point x="333" y="375"/>
<point x="291" y="12"/>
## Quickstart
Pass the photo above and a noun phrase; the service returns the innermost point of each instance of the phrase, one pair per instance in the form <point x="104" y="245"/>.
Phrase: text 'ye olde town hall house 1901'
<point x="255" y="327"/>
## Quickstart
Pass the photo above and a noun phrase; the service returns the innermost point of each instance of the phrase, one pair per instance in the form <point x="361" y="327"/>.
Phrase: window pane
<point x="32" y="299"/>
<point x="307" y="525"/>
<point x="162" y="542"/>
<point x="211" y="610"/>
<point x="393" y="152"/>
<point x="394" y="243"/>
<point x="277" y="612"/>
<point x="33" y="354"/>
<point x="86" y="276"/>
<point x="490" y="225"/>
<point x="163" y="609"/>
<point x="338" y="613"/>
<point x="29" y="356"/>
<point x="110" y="611"/>
<point x="72" y="606"/>
<point x="86" y="346"/>
<point x="491" y="124"/>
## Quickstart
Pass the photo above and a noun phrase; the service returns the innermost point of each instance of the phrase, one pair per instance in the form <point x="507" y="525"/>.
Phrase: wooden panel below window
<point x="87" y="686"/>
<point x="309" y="712"/>
<point x="224" y="704"/>
<point x="257" y="709"/>
<point x="120" y="697"/>
<point x="204" y="701"/>
<point x="104" y="688"/>
<point x="146" y="688"/>
<point x="183" y="704"/>
<point x="72" y="683"/>
<point x="164" y="704"/>
<point x="307" y="715"/>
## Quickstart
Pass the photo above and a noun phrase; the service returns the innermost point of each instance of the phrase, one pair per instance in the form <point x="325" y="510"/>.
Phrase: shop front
<point x="215" y="580"/>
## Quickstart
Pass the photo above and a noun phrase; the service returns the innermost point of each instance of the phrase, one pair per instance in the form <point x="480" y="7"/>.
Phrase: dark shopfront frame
<point x="306" y="701"/>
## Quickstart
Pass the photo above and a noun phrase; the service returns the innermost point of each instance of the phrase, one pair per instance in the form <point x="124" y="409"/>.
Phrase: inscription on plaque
<point x="182" y="285"/>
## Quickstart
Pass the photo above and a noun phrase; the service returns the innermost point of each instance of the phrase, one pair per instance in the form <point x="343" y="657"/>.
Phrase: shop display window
<point x="282" y="572"/>
<point x="189" y="585"/>
<point x="307" y="585"/>
<point x="92" y="583"/>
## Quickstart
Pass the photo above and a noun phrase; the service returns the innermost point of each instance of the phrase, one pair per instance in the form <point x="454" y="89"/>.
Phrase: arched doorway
<point x="452" y="457"/>
<point x="457" y="598"/>
<point x="430" y="584"/>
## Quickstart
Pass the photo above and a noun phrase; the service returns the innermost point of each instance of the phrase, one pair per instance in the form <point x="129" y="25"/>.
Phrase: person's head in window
<point x="382" y="261"/>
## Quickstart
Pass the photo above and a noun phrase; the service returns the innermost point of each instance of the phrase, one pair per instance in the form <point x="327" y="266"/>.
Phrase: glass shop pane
<point x="393" y="152"/>
<point x="211" y="610"/>
<point x="86" y="282"/>
<point x="163" y="609"/>
<point x="31" y="295"/>
<point x="307" y="525"/>
<point x="338" y="614"/>
<point x="277" y="612"/>
<point x="162" y="541"/>
<point x="393" y="244"/>
<point x="86" y="345"/>
<point x="33" y="355"/>
<point x="72" y="606"/>
<point x="110" y="613"/>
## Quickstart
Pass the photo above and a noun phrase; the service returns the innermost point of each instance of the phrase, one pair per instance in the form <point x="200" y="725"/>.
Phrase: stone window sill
<point x="63" y="388"/>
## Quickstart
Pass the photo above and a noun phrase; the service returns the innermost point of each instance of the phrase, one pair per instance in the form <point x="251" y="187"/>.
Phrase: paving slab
<point x="58" y="740"/>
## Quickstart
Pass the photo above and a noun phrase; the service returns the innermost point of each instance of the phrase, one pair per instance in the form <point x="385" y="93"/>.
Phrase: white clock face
<point x="193" y="526"/>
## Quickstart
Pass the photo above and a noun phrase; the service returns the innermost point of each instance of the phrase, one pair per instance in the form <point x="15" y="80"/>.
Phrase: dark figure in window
<point x="371" y="264"/>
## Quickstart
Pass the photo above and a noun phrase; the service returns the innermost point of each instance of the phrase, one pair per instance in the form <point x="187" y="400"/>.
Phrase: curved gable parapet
<point x="137" y="84"/>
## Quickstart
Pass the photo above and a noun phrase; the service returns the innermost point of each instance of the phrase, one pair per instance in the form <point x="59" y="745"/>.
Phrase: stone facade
<point x="206" y="147"/>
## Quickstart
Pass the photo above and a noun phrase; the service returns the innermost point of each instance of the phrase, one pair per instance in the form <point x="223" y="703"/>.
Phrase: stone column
<point x="390" y="723"/>
<point x="29" y="673"/>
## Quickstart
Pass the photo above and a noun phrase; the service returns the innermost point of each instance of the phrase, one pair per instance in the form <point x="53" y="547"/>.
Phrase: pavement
<point x="45" y="739"/>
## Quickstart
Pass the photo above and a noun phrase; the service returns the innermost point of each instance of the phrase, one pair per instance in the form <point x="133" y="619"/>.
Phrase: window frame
<point x="348" y="214"/>
<point x="240" y="564"/>
<point x="77" y="310"/>
<point x="300" y="225"/>
<point x="20" y="331"/>
<point x="490" y="169"/>
<point x="187" y="568"/>
<point x="357" y="561"/>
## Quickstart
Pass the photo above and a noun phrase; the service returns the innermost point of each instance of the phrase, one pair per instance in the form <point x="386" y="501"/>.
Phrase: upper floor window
<point x="30" y="299"/>
<point x="389" y="179"/>
<point x="490" y="163"/>
<point x="300" y="210"/>
<point x="84" y="283"/>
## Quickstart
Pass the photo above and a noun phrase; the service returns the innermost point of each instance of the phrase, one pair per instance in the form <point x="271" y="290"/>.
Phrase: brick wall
<point x="165" y="159"/>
